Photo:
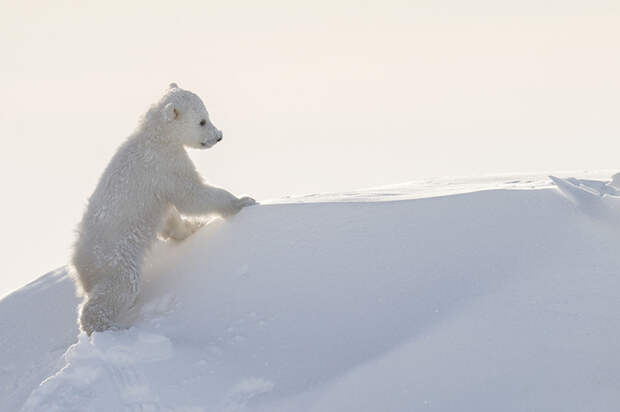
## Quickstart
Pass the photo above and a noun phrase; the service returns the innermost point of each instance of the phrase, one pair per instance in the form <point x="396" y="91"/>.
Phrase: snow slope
<point x="482" y="301"/>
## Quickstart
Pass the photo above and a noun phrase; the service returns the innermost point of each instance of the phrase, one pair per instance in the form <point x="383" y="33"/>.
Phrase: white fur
<point x="148" y="183"/>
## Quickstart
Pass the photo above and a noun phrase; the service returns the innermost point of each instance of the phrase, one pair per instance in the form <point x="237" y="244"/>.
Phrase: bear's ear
<point x="170" y="112"/>
<point x="173" y="86"/>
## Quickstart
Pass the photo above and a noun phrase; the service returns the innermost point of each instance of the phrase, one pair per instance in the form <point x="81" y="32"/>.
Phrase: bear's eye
<point x="203" y="122"/>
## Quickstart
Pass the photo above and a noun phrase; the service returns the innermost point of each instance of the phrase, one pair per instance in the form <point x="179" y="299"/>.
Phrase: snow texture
<point x="483" y="301"/>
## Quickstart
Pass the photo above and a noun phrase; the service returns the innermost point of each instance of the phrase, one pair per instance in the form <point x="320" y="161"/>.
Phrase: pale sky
<point x="323" y="97"/>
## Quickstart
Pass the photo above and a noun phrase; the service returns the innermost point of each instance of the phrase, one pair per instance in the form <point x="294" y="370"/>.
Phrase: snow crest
<point x="489" y="300"/>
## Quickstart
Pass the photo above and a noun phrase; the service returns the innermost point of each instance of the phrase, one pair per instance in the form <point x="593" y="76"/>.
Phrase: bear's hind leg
<point x="178" y="228"/>
<point x="106" y="302"/>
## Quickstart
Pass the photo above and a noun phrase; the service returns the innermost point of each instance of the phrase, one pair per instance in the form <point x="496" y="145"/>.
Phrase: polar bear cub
<point x="145" y="188"/>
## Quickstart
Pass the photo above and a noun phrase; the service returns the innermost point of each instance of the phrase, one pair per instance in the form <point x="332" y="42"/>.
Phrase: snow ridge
<point x="489" y="300"/>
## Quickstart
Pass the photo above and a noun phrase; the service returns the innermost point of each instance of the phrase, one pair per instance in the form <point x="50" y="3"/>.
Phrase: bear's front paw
<point x="246" y="201"/>
<point x="237" y="205"/>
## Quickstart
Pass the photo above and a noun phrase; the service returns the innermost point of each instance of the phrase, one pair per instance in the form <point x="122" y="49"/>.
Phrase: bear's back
<point x="126" y="208"/>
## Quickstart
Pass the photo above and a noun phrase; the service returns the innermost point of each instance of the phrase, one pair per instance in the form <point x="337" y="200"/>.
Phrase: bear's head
<point x="186" y="119"/>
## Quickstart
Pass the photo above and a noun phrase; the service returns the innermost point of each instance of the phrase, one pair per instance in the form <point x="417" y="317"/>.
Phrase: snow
<point x="463" y="295"/>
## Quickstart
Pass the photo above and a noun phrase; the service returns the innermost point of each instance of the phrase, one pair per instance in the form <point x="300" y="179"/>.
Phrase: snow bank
<point x="493" y="300"/>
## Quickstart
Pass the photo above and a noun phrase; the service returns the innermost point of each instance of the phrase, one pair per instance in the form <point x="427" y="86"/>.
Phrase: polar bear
<point x="145" y="188"/>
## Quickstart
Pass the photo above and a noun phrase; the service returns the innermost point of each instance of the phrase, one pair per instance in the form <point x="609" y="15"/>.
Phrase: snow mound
<point x="598" y="199"/>
<point x="492" y="300"/>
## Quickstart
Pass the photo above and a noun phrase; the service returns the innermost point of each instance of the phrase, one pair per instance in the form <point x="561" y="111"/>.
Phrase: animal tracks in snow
<point x="103" y="371"/>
